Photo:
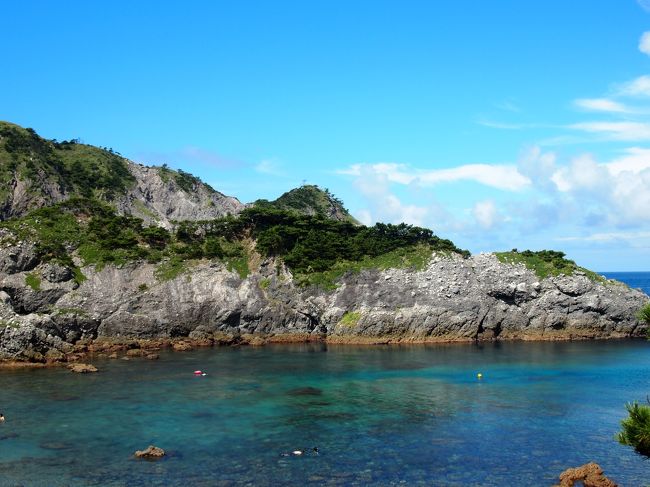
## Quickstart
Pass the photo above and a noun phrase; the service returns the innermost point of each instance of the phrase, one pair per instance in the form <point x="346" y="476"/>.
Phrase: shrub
<point x="643" y="314"/>
<point x="636" y="428"/>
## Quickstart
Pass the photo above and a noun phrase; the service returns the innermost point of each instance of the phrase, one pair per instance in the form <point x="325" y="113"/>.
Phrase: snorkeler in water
<point x="297" y="453"/>
<point x="2" y="418"/>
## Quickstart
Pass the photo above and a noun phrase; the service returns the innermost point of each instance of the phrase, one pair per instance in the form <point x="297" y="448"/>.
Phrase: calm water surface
<point x="412" y="415"/>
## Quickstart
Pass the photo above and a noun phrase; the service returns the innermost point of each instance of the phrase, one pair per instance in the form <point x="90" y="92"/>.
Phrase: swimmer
<point x="2" y="418"/>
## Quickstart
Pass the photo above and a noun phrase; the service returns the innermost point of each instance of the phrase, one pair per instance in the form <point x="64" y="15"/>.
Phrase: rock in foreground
<point x="150" y="452"/>
<point x="82" y="368"/>
<point x="588" y="475"/>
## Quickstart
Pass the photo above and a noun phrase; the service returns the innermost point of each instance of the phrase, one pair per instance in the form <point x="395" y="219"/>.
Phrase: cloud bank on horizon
<point x="580" y="199"/>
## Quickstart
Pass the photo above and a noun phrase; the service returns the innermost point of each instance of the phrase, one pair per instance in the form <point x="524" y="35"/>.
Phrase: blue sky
<point x="499" y="124"/>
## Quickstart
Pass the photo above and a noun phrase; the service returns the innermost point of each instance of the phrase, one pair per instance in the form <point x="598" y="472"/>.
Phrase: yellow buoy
<point x="479" y="376"/>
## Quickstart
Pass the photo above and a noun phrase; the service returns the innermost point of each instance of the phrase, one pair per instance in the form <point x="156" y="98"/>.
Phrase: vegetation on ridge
<point x="545" y="263"/>
<point x="317" y="249"/>
<point x="309" y="199"/>
<point x="76" y="168"/>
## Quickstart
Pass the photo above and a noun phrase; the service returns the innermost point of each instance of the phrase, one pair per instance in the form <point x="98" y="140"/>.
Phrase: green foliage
<point x="265" y="283"/>
<point x="143" y="287"/>
<point x="413" y="257"/>
<point x="636" y="428"/>
<point x="310" y="200"/>
<point x="317" y="249"/>
<point x="545" y="263"/>
<point x="170" y="269"/>
<point x="78" y="169"/>
<point x="186" y="181"/>
<point x="33" y="280"/>
<point x="643" y="314"/>
<point x="350" y="319"/>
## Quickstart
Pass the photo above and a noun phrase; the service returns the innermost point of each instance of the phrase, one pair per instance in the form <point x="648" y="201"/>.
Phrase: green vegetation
<point x="412" y="257"/>
<point x="171" y="268"/>
<point x="310" y="200"/>
<point x="265" y="283"/>
<point x="636" y="428"/>
<point x="350" y="319"/>
<point x="318" y="250"/>
<point x="143" y="287"/>
<point x="186" y="181"/>
<point x="78" y="169"/>
<point x="71" y="311"/>
<point x="33" y="280"/>
<point x="643" y="314"/>
<point x="545" y="263"/>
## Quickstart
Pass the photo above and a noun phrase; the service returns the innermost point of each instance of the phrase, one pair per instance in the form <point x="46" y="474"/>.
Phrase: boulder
<point x="82" y="368"/>
<point x="151" y="452"/>
<point x="588" y="475"/>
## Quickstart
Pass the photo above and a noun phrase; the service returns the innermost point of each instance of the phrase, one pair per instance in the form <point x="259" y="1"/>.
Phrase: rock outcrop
<point x="588" y="475"/>
<point x="151" y="452"/>
<point x="452" y="299"/>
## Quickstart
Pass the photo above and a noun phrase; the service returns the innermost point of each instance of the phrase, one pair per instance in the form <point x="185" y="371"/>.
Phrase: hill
<point x="40" y="172"/>
<point x="311" y="200"/>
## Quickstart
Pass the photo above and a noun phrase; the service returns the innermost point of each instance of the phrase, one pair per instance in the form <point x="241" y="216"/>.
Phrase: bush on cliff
<point x="636" y="428"/>
<point x="643" y="316"/>
<point x="308" y="244"/>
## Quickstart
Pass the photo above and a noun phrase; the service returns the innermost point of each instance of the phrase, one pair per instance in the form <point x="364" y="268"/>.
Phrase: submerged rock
<point x="82" y="368"/>
<point x="151" y="452"/>
<point x="588" y="475"/>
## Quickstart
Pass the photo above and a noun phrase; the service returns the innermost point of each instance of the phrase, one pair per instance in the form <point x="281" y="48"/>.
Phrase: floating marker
<point x="479" y="376"/>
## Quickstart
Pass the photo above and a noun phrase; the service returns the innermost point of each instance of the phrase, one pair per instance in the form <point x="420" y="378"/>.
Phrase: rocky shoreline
<point x="48" y="316"/>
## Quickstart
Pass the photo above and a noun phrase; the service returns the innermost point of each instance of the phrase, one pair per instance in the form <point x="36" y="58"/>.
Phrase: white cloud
<point x="607" y="237"/>
<point x="644" y="4"/>
<point x="504" y="177"/>
<point x="269" y="166"/>
<point x="637" y="87"/>
<point x="486" y="214"/>
<point x="616" y="130"/>
<point x="538" y="167"/>
<point x="644" y="43"/>
<point x="373" y="184"/>
<point x="600" y="105"/>
<point x="636" y="159"/>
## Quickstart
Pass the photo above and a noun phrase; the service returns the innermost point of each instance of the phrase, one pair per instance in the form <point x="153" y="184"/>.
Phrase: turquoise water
<point x="412" y="415"/>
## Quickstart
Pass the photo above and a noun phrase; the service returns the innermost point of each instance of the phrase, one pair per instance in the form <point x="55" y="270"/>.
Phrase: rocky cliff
<point x="45" y="311"/>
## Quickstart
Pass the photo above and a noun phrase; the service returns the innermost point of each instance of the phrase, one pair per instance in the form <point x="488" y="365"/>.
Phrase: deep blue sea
<point x="402" y="415"/>
<point x="637" y="280"/>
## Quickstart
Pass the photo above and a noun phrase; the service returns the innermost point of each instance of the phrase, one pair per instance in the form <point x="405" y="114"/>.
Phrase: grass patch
<point x="546" y="263"/>
<point x="235" y="257"/>
<point x="265" y="283"/>
<point x="33" y="280"/>
<point x="143" y="287"/>
<point x="416" y="257"/>
<point x="350" y="319"/>
<point x="79" y="276"/>
<point x="170" y="269"/>
<point x="70" y="311"/>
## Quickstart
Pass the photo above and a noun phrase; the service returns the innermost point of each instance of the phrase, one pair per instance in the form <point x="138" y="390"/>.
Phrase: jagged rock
<point x="56" y="273"/>
<point x="82" y="368"/>
<point x="151" y="452"/>
<point x="588" y="475"/>
<point x="215" y="306"/>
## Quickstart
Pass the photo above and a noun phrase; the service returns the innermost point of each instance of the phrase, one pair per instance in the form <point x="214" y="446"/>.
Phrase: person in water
<point x="2" y="418"/>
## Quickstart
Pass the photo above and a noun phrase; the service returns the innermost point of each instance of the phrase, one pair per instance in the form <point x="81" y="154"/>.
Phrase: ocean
<point x="400" y="415"/>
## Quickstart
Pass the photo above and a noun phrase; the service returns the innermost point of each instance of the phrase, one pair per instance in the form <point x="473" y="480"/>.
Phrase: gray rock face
<point x="452" y="299"/>
<point x="160" y="200"/>
<point x="154" y="198"/>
